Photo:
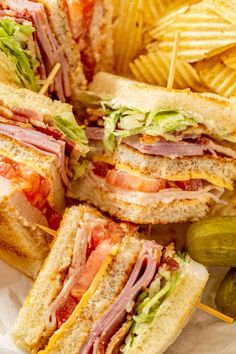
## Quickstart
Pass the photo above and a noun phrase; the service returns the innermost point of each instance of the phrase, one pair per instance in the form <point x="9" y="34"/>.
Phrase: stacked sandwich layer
<point x="40" y="148"/>
<point x="104" y="290"/>
<point x="36" y="35"/>
<point x="161" y="156"/>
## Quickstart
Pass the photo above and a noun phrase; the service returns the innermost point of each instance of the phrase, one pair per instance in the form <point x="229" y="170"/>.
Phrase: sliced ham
<point x="112" y="319"/>
<point x="51" y="51"/>
<point x="40" y="141"/>
<point x="223" y="150"/>
<point x="27" y="118"/>
<point x="166" y="148"/>
<point x="180" y="149"/>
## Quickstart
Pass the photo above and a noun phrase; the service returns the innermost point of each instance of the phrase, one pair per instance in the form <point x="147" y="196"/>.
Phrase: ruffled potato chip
<point x="229" y="58"/>
<point x="128" y="33"/>
<point x="203" y="33"/>
<point x="217" y="76"/>
<point x="154" y="68"/>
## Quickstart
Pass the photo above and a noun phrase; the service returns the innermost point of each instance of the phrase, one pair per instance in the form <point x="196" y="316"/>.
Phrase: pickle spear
<point x="213" y="241"/>
<point x="226" y="294"/>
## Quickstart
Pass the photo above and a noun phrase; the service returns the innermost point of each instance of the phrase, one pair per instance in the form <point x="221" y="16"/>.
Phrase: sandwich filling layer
<point x="35" y="187"/>
<point x="89" y="21"/>
<point x="57" y="135"/>
<point x="94" y="241"/>
<point x="171" y="135"/>
<point x="34" y="48"/>
<point x="142" y="190"/>
<point x="174" y="125"/>
<point x="154" y="276"/>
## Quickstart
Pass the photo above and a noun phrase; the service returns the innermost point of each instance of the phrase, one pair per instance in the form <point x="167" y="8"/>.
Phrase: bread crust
<point x="59" y="23"/>
<point x="14" y="97"/>
<point x="22" y="245"/>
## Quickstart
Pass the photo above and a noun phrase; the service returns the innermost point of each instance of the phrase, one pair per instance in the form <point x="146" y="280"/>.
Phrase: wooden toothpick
<point x="173" y="61"/>
<point x="50" y="78"/>
<point x="214" y="313"/>
<point x="47" y="229"/>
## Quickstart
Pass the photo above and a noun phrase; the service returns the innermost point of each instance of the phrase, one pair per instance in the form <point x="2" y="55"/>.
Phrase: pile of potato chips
<point x="144" y="32"/>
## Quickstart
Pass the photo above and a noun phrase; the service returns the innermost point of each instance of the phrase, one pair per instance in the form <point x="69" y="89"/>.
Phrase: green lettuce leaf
<point x="14" y="39"/>
<point x="110" y="123"/>
<point x="148" y="305"/>
<point x="79" y="168"/>
<point x="131" y="122"/>
<point x="73" y="131"/>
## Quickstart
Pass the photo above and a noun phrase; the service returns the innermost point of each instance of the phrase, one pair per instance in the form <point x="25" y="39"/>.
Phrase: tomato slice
<point x="36" y="187"/>
<point x="90" y="269"/>
<point x="65" y="310"/>
<point x="80" y="14"/>
<point x="131" y="182"/>
<point x="104" y="235"/>
<point x="108" y="230"/>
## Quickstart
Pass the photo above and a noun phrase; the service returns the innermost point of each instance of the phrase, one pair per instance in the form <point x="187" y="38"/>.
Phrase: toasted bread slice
<point x="22" y="244"/>
<point x="31" y="331"/>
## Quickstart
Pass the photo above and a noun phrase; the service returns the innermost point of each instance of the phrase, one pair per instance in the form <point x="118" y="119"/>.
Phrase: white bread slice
<point x="22" y="244"/>
<point x="59" y="23"/>
<point x="219" y="171"/>
<point x="28" y="332"/>
<point x="70" y="337"/>
<point x="44" y="165"/>
<point x="153" y="213"/>
<point x="174" y="312"/>
<point x="24" y="98"/>
<point x="218" y="114"/>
